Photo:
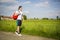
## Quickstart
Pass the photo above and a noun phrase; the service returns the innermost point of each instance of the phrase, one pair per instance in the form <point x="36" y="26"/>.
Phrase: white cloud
<point x="14" y="7"/>
<point x="26" y="11"/>
<point x="10" y="7"/>
<point x="7" y="0"/>
<point x="27" y="2"/>
<point x="42" y="4"/>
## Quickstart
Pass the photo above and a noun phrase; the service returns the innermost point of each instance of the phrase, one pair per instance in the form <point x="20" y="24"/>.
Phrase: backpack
<point x="14" y="16"/>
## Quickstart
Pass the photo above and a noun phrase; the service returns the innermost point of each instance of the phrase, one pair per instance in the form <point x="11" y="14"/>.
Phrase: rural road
<point x="13" y="36"/>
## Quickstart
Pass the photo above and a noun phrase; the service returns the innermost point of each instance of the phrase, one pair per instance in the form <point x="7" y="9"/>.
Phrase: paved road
<point x="13" y="36"/>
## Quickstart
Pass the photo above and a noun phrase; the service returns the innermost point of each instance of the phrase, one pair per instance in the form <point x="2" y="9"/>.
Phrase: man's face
<point x="21" y="8"/>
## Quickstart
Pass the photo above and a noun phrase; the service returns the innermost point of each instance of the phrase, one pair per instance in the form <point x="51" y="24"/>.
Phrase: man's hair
<point x="19" y="7"/>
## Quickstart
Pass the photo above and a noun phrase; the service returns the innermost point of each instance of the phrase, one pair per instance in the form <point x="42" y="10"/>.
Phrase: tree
<point x="57" y="17"/>
<point x="25" y="17"/>
<point x="0" y="17"/>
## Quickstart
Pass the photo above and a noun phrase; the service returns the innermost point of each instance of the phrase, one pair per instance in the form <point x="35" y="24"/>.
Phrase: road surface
<point x="13" y="36"/>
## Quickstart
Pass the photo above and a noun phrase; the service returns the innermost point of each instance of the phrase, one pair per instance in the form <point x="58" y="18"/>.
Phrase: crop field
<point x="45" y="28"/>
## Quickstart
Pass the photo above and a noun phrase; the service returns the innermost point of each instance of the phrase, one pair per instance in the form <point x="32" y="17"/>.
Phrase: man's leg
<point x="18" y="29"/>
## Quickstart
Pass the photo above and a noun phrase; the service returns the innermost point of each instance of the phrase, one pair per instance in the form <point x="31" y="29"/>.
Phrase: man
<point x="19" y="20"/>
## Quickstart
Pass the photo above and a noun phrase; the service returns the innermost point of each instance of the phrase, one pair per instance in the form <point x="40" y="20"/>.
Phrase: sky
<point x="31" y="8"/>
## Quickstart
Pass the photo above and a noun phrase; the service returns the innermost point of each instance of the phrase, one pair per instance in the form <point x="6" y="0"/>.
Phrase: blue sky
<point x="31" y="8"/>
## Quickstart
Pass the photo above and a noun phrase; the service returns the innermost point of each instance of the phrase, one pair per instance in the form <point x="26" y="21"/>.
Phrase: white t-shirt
<point x="20" y="15"/>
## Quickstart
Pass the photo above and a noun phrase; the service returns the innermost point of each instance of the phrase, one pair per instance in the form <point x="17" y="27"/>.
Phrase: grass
<point x="46" y="28"/>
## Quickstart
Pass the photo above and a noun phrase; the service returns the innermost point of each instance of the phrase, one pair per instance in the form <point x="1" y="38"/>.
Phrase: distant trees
<point x="42" y="18"/>
<point x="36" y="18"/>
<point x="57" y="18"/>
<point x="45" y="18"/>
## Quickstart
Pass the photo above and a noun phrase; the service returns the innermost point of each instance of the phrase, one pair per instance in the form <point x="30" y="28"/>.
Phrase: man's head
<point x="20" y="8"/>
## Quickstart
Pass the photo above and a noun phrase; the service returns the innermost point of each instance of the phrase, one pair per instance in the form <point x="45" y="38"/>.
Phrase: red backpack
<point x="14" y="16"/>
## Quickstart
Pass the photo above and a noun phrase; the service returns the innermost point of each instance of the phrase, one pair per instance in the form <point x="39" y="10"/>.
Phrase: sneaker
<point x="19" y="35"/>
<point x="16" y="33"/>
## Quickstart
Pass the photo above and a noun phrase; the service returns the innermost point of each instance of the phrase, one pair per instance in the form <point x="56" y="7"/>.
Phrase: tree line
<point x="25" y="18"/>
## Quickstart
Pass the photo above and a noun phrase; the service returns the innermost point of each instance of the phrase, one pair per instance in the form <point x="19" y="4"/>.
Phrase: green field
<point x="46" y="28"/>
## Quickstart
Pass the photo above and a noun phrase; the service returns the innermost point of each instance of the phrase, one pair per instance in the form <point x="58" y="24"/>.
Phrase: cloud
<point x="27" y="2"/>
<point x="7" y="0"/>
<point x="42" y="4"/>
<point x="26" y="11"/>
<point x="55" y="0"/>
<point x="8" y="6"/>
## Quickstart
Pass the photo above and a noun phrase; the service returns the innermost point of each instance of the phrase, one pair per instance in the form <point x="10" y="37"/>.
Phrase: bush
<point x="45" y="18"/>
<point x="25" y="17"/>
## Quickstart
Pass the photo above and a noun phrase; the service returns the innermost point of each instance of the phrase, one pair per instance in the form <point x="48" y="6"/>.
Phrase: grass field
<point x="46" y="28"/>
